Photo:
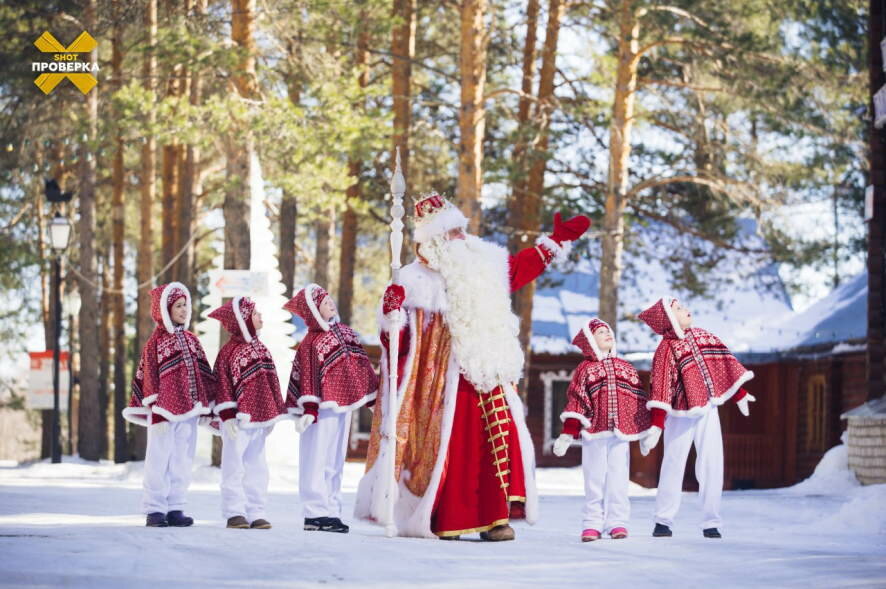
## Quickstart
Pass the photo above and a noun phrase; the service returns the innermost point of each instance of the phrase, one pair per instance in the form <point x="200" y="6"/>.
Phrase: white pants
<point x="321" y="457"/>
<point x="605" y="465"/>
<point x="168" y="460"/>
<point x="244" y="482"/>
<point x="679" y="435"/>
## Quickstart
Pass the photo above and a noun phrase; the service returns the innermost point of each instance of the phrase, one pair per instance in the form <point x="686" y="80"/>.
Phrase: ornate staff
<point x="392" y="401"/>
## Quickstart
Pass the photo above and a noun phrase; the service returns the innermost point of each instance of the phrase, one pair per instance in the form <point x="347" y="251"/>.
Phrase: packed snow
<point x="78" y="524"/>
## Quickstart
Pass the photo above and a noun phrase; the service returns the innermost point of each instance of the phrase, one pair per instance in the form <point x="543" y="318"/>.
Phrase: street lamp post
<point x="59" y="234"/>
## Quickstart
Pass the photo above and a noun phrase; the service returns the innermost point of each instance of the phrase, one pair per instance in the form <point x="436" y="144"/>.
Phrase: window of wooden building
<point x="816" y="413"/>
<point x="555" y="384"/>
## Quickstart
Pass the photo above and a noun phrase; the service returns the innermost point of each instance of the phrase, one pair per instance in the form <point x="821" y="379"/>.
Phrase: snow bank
<point x="832" y="475"/>
<point x="864" y="513"/>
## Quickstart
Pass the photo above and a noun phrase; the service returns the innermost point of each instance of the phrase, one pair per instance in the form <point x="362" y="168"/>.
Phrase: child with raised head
<point x="249" y="403"/>
<point x="607" y="408"/>
<point x="331" y="377"/>
<point x="693" y="373"/>
<point x="173" y="387"/>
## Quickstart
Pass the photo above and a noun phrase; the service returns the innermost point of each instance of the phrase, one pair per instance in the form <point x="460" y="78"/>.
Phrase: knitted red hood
<point x="585" y="341"/>
<point x="660" y="317"/>
<point x="306" y="304"/>
<point x="162" y="299"/>
<point x="236" y="317"/>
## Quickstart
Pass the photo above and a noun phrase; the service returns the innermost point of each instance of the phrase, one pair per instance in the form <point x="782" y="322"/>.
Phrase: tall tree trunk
<point x="239" y="147"/>
<point x="876" y="262"/>
<point x="172" y="154"/>
<point x="322" y="249"/>
<point x="402" y="53"/>
<point x="117" y="223"/>
<point x="526" y="209"/>
<point x="89" y="443"/>
<point x="349" y="226"/>
<point x="524" y="106"/>
<point x="471" y="116"/>
<point x="104" y="346"/>
<point x="145" y="256"/>
<point x="288" y="218"/>
<point x="619" y="162"/>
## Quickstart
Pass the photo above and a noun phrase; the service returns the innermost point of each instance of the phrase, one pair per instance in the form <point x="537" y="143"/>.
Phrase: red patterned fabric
<point x="659" y="319"/>
<point x="693" y="372"/>
<point x="248" y="388"/>
<point x="173" y="378"/>
<point x="330" y="367"/>
<point x="605" y="395"/>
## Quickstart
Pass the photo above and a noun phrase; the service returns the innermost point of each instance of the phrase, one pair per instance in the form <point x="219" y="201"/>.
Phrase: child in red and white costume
<point x="331" y="377"/>
<point x="693" y="373"/>
<point x="173" y="387"/>
<point x="607" y="408"/>
<point x="249" y="403"/>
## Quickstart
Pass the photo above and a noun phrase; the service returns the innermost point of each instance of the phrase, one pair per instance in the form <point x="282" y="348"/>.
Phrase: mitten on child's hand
<point x="569" y="230"/>
<point x="650" y="441"/>
<point x="302" y="422"/>
<point x="561" y="444"/>
<point x="743" y="403"/>
<point x="231" y="428"/>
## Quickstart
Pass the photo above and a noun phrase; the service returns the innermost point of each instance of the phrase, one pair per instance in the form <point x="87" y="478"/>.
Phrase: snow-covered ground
<point x="77" y="524"/>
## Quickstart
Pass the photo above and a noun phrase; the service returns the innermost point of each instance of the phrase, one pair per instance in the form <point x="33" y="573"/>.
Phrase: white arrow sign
<point x="239" y="283"/>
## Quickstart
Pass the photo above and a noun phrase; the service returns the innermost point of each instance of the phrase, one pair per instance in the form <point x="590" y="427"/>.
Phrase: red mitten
<point x="569" y="230"/>
<point x="393" y="299"/>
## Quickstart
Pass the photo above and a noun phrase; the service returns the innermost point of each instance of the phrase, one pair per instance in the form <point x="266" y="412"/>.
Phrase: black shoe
<point x="313" y="524"/>
<point x="711" y="533"/>
<point x="336" y="525"/>
<point x="662" y="531"/>
<point x="177" y="519"/>
<point x="156" y="520"/>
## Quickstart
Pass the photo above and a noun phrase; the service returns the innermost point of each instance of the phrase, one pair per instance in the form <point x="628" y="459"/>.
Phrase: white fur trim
<point x="617" y="433"/>
<point x="590" y="337"/>
<point x="650" y="405"/>
<point x="334" y="406"/>
<point x="137" y="415"/>
<point x="299" y="408"/>
<point x="585" y="422"/>
<point x="449" y="218"/>
<point x="527" y="451"/>
<point x="222" y="406"/>
<point x="244" y="420"/>
<point x="164" y="311"/>
<point x="199" y="409"/>
<point x="244" y="331"/>
<point x="702" y="409"/>
<point x="149" y="399"/>
<point x="667" y="301"/>
<point x="393" y="321"/>
<point x="309" y="291"/>
<point x="560" y="251"/>
<point x="424" y="288"/>
<point x="748" y="375"/>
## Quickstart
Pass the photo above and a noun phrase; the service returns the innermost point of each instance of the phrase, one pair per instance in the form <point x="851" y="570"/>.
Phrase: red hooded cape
<point x="331" y="369"/>
<point x="604" y="398"/>
<point x="692" y="369"/>
<point x="174" y="380"/>
<point x="248" y="388"/>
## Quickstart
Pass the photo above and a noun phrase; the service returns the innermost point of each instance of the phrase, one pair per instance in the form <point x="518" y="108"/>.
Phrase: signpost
<point x="239" y="283"/>
<point x="40" y="389"/>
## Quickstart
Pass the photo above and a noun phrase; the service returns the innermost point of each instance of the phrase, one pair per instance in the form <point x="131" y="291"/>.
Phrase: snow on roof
<point x="748" y="294"/>
<point x="839" y="317"/>
<point x="875" y="408"/>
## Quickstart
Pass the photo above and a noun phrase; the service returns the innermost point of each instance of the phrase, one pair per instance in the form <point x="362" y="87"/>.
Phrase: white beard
<point x="485" y="333"/>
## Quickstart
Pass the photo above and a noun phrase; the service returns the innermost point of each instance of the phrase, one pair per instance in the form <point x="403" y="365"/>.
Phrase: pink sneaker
<point x="590" y="535"/>
<point x="618" y="533"/>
